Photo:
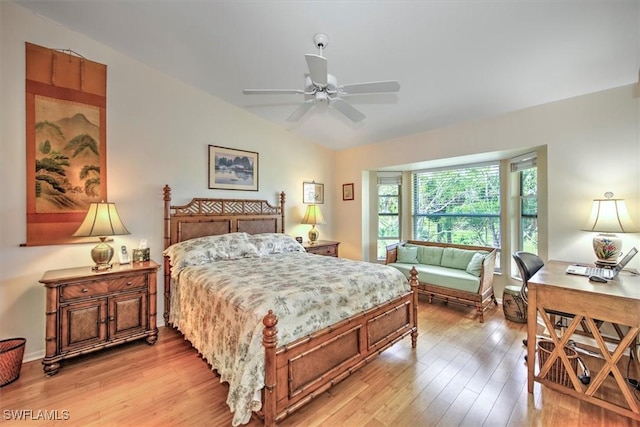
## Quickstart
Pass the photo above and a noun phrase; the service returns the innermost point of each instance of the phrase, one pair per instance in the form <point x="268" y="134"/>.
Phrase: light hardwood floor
<point x="463" y="373"/>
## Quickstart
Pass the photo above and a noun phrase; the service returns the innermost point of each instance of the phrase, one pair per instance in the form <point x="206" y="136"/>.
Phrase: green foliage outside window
<point x="529" y="210"/>
<point x="460" y="206"/>
<point x="388" y="217"/>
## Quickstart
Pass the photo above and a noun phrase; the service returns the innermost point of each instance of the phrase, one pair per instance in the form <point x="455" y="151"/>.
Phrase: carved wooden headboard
<point x="208" y="217"/>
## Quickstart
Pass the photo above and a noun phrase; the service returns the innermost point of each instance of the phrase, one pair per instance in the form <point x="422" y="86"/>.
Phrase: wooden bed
<point x="300" y="370"/>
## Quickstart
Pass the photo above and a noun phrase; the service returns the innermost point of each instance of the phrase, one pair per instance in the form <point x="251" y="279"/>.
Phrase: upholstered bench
<point x="459" y="273"/>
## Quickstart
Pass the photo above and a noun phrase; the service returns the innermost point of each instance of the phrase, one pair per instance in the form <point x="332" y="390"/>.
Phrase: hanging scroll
<point x="66" y="98"/>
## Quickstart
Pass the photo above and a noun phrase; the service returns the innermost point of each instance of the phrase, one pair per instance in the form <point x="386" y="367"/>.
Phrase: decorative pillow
<point x="430" y="255"/>
<point x="407" y="255"/>
<point x="274" y="243"/>
<point x="456" y="258"/>
<point x="203" y="250"/>
<point x="475" y="265"/>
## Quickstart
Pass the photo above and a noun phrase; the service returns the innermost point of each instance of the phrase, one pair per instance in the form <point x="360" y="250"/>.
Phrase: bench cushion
<point x="442" y="276"/>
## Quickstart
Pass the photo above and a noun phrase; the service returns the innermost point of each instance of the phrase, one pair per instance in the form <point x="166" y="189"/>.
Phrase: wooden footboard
<point x="297" y="372"/>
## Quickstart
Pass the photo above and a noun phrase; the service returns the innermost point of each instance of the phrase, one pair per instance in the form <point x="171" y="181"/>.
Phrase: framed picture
<point x="312" y="193"/>
<point x="231" y="169"/>
<point x="347" y="191"/>
<point x="123" y="255"/>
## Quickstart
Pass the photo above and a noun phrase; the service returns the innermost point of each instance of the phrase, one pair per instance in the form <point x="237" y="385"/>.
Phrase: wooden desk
<point x="617" y="301"/>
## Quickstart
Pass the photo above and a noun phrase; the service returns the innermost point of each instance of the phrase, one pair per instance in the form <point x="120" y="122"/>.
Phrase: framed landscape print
<point x="312" y="193"/>
<point x="232" y="169"/>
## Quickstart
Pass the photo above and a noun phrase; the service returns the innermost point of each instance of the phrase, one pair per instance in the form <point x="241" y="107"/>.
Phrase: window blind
<point x="389" y="178"/>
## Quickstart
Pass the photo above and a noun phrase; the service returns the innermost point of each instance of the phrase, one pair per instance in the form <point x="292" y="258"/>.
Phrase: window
<point x="526" y="168"/>
<point x="458" y="205"/>
<point x="389" y="185"/>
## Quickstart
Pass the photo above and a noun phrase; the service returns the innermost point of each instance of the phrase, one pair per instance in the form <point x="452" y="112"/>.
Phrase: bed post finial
<point x="282" y="198"/>
<point x="413" y="282"/>
<point x="269" y="340"/>
<point x="167" y="236"/>
<point x="167" y="215"/>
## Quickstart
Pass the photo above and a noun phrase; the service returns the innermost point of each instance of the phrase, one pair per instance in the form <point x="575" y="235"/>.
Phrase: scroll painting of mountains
<point x="67" y="155"/>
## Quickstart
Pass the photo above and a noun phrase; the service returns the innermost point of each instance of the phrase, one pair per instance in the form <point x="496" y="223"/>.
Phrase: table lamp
<point x="608" y="216"/>
<point x="313" y="216"/>
<point x="102" y="220"/>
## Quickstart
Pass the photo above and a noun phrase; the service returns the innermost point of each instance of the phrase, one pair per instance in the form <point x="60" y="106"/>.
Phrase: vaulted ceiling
<point x="455" y="60"/>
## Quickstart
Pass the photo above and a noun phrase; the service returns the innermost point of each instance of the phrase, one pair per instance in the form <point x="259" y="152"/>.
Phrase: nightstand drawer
<point x="324" y="250"/>
<point x="322" y="247"/>
<point x="128" y="282"/>
<point x="83" y="290"/>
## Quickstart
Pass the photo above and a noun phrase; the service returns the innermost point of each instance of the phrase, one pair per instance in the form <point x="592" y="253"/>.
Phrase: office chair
<point x="528" y="265"/>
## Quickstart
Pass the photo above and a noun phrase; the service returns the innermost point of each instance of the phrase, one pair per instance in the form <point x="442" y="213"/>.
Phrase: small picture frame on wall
<point x="347" y="191"/>
<point x="312" y="193"/>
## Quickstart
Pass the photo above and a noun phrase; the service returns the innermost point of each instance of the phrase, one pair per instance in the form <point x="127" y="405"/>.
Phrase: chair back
<point x="528" y="264"/>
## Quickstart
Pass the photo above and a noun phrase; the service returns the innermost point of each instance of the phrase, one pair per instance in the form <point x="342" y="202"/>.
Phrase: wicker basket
<point x="11" y="353"/>
<point x="558" y="373"/>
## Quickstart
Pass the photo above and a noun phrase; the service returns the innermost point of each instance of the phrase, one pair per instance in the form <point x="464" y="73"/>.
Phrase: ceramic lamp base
<point x="313" y="234"/>
<point x="102" y="255"/>
<point x="608" y="248"/>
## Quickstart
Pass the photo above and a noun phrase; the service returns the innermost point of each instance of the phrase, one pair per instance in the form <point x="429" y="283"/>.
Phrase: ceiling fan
<point x="322" y="87"/>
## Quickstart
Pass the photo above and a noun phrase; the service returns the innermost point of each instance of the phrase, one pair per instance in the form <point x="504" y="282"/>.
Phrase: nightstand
<point x="90" y="310"/>
<point x="322" y="247"/>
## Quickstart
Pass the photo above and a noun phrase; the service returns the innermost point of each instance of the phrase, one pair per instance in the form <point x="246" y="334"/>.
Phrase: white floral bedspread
<point x="219" y="308"/>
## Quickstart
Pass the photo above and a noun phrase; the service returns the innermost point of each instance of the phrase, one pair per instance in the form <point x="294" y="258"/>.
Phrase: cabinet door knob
<point x="85" y="290"/>
<point x="129" y="283"/>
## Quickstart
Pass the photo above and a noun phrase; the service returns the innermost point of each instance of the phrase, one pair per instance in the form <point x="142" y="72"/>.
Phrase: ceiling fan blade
<point x="301" y="110"/>
<point x="346" y="109"/>
<point x="317" y="69"/>
<point x="372" y="87"/>
<point x="272" y="91"/>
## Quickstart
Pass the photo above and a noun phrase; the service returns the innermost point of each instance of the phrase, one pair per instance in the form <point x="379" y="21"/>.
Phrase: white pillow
<point x="203" y="250"/>
<point x="274" y="243"/>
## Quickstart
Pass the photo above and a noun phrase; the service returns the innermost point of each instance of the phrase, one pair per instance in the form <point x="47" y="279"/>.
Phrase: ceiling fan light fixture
<point x="320" y="87"/>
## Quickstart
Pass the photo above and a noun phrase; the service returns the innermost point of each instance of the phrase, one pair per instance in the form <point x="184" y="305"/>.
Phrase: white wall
<point x="592" y="147"/>
<point x="158" y="130"/>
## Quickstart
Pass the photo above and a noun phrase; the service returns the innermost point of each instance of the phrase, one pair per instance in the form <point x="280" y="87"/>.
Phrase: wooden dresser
<point x="88" y="310"/>
<point x="322" y="247"/>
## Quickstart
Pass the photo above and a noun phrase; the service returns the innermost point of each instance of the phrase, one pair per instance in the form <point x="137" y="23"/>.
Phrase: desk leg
<point x="532" y="323"/>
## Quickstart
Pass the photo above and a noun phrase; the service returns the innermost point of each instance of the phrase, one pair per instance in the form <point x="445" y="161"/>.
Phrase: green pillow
<point x="456" y="258"/>
<point x="407" y="255"/>
<point x="430" y="255"/>
<point x="475" y="265"/>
